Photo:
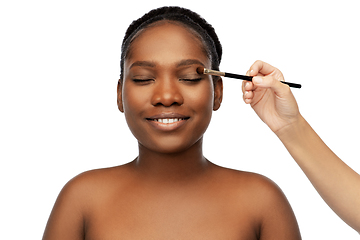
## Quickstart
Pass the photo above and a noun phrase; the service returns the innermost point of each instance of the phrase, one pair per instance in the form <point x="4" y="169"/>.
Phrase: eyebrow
<point x="143" y="64"/>
<point x="182" y="63"/>
<point x="187" y="62"/>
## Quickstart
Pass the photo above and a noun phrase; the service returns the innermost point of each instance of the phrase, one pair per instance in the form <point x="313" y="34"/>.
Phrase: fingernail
<point x="257" y="79"/>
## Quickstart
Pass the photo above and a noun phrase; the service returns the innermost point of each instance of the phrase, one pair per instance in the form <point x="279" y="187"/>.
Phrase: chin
<point x="172" y="145"/>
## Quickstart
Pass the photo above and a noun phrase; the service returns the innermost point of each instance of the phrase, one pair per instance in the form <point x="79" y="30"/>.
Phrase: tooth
<point x="168" y="120"/>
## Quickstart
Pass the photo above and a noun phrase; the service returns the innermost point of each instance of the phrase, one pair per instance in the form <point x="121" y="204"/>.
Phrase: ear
<point x="119" y="96"/>
<point x="218" y="94"/>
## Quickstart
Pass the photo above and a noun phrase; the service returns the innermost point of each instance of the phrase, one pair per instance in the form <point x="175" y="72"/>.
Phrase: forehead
<point x="167" y="43"/>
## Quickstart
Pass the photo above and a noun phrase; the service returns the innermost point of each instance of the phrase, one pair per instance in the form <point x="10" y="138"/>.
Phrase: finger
<point x="248" y="97"/>
<point x="260" y="68"/>
<point x="247" y="89"/>
<point x="247" y="86"/>
<point x="251" y="71"/>
<point x="248" y="101"/>
<point x="280" y="89"/>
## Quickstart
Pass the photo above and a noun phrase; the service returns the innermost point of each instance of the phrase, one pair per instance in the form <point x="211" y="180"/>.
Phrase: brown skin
<point x="170" y="191"/>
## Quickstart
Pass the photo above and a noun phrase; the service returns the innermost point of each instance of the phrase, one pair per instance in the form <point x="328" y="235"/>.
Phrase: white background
<point x="59" y="65"/>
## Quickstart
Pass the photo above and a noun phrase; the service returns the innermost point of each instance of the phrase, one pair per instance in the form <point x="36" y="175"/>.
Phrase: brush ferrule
<point x="213" y="72"/>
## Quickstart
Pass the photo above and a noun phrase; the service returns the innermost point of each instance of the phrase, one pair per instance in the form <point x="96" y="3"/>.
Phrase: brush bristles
<point x="213" y="72"/>
<point x="200" y="70"/>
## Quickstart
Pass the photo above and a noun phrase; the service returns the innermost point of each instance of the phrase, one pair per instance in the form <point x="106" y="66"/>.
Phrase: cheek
<point x="201" y="100"/>
<point x="202" y="97"/>
<point x="134" y="103"/>
<point x="133" y="99"/>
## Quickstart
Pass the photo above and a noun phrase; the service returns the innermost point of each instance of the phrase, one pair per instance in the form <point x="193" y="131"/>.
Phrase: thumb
<point x="278" y="87"/>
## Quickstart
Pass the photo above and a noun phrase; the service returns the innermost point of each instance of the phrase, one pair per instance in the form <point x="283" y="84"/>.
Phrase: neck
<point x="170" y="167"/>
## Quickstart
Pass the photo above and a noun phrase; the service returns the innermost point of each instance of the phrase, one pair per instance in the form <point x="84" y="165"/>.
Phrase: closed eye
<point x="191" y="79"/>
<point x="137" y="80"/>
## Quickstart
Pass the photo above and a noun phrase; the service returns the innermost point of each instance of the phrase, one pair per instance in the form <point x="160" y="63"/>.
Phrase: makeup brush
<point x="201" y="70"/>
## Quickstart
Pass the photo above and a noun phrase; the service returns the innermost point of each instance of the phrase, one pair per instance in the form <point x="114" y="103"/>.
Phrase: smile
<point x="167" y="120"/>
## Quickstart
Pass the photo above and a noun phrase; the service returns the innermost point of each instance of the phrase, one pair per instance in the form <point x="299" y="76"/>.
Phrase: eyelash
<point x="142" y="80"/>
<point x="191" y="80"/>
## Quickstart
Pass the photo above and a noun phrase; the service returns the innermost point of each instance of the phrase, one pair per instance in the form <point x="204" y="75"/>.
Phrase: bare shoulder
<point x="265" y="200"/>
<point x="92" y="184"/>
<point x="248" y="181"/>
<point x="77" y="199"/>
<point x="99" y="176"/>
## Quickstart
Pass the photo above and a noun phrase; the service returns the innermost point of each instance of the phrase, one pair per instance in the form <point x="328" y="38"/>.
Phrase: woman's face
<point x="167" y="104"/>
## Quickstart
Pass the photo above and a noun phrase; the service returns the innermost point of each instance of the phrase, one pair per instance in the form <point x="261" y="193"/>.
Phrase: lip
<point x="167" y="126"/>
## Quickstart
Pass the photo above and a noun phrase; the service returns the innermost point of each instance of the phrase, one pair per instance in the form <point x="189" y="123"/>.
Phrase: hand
<point x="272" y="100"/>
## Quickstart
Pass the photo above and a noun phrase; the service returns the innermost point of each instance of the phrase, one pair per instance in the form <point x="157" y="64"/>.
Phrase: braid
<point x="178" y="14"/>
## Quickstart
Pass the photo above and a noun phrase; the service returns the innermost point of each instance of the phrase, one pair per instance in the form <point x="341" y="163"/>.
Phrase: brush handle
<point x="294" y="85"/>
<point x="237" y="76"/>
<point x="248" y="78"/>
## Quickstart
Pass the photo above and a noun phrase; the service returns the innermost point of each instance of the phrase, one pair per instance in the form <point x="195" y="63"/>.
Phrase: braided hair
<point x="186" y="17"/>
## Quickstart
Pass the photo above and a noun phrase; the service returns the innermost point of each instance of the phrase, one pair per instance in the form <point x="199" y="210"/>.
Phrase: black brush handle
<point x="248" y="78"/>
<point x="237" y="76"/>
<point x="294" y="85"/>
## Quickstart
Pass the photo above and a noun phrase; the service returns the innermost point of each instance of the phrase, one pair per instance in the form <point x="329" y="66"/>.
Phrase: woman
<point x="170" y="191"/>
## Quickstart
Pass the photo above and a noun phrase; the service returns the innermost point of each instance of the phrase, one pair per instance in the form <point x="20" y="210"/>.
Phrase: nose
<point x="167" y="93"/>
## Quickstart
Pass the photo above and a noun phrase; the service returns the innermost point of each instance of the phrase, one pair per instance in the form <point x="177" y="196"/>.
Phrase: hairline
<point x="197" y="35"/>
